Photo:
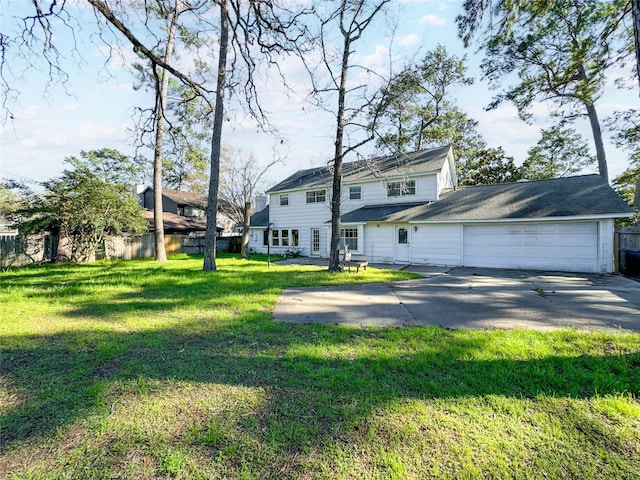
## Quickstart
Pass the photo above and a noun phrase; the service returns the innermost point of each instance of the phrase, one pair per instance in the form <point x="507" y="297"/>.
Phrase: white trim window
<point x="349" y="236"/>
<point x="355" y="192"/>
<point x="285" y="237"/>
<point x="284" y="199"/>
<point x="397" y="189"/>
<point x="317" y="196"/>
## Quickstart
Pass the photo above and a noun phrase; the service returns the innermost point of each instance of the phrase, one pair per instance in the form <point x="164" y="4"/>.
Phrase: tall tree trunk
<point x="63" y="250"/>
<point x="158" y="220"/>
<point x="216" y="141"/>
<point x="336" y="192"/>
<point x="246" y="223"/>
<point x="635" y="7"/>
<point x="595" y="129"/>
<point x="597" y="138"/>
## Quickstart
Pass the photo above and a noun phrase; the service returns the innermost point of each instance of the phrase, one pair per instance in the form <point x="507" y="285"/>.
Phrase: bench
<point x="347" y="262"/>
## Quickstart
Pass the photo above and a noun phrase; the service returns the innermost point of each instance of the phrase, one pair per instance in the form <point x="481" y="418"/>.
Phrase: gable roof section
<point x="379" y="213"/>
<point x="176" y="223"/>
<point x="261" y="218"/>
<point x="581" y="196"/>
<point x="186" y="199"/>
<point x="423" y="161"/>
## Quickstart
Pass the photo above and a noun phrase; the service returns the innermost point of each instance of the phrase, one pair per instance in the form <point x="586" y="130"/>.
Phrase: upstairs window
<point x="316" y="196"/>
<point x="355" y="193"/>
<point x="284" y="199"/>
<point x="397" y="189"/>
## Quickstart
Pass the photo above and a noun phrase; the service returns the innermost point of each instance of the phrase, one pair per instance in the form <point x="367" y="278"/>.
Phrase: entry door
<point x="402" y="244"/>
<point x="315" y="241"/>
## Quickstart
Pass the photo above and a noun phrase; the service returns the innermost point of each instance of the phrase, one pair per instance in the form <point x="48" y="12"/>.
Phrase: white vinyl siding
<point x="436" y="244"/>
<point x="379" y="242"/>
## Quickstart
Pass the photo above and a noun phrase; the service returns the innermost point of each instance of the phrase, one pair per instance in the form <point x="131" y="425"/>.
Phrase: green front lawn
<point x="146" y="370"/>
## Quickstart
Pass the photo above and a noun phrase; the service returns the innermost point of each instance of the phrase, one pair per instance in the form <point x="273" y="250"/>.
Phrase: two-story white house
<point x="409" y="209"/>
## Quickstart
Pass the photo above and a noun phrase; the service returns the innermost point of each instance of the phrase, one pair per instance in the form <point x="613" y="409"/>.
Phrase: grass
<point x="145" y="370"/>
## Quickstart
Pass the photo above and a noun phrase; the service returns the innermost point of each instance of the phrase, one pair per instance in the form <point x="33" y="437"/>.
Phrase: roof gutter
<point x="529" y="220"/>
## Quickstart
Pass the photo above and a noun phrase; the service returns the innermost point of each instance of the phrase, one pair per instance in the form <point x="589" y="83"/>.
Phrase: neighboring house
<point x="6" y="228"/>
<point x="409" y="209"/>
<point x="185" y="212"/>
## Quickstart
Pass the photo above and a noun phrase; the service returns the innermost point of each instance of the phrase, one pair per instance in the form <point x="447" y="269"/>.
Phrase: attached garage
<point x="565" y="246"/>
<point x="560" y="224"/>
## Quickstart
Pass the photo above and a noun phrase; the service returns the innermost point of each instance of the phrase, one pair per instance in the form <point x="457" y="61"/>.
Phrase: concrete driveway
<point x="473" y="298"/>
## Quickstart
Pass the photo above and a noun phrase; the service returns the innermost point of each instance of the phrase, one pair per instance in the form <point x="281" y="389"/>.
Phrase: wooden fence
<point x="627" y="240"/>
<point x="16" y="251"/>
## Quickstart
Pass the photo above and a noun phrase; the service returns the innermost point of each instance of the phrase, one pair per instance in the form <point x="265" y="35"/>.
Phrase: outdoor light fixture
<point x="415" y="228"/>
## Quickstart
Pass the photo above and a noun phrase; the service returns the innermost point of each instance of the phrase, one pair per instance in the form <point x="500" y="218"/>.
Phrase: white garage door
<point x="569" y="247"/>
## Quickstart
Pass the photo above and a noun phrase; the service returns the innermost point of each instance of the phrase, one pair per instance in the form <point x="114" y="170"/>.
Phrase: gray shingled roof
<point x="187" y="199"/>
<point x="379" y="213"/>
<point x="560" y="197"/>
<point x="423" y="161"/>
<point x="176" y="223"/>
<point x="261" y="218"/>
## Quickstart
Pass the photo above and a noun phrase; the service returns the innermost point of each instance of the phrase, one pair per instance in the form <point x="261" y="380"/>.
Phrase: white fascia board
<point x="577" y="218"/>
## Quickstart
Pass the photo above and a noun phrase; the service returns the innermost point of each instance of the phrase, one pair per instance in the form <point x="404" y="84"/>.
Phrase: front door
<point x="402" y="244"/>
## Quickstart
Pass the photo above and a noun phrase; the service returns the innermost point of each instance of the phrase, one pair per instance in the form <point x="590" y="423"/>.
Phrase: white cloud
<point x="408" y="40"/>
<point x="433" y="20"/>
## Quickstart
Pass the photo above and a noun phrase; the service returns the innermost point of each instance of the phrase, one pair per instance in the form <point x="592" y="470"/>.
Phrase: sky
<point x="93" y="110"/>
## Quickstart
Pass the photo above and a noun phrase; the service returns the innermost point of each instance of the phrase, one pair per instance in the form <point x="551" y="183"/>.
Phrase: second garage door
<point x="569" y="247"/>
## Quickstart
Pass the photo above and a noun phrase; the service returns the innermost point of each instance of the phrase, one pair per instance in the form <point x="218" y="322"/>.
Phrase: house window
<point x="403" y="236"/>
<point x="284" y="199"/>
<point x="355" y="193"/>
<point x="349" y="236"/>
<point x="396" y="189"/>
<point x="265" y="238"/>
<point x="316" y="196"/>
<point x="284" y="238"/>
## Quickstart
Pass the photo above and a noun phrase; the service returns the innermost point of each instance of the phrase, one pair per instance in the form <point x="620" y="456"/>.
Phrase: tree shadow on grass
<point x="62" y="377"/>
<point x="319" y="381"/>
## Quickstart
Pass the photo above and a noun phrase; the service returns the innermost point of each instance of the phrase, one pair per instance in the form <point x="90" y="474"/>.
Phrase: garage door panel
<point x="551" y="246"/>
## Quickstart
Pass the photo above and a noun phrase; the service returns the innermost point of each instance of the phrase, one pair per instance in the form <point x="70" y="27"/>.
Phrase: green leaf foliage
<point x="560" y="152"/>
<point x="83" y="208"/>
<point x="488" y="166"/>
<point x="108" y="165"/>
<point x="561" y="56"/>
<point x="417" y="109"/>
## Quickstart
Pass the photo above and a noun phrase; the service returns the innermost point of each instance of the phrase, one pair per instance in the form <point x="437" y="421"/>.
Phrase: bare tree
<point x="350" y="18"/>
<point x="162" y="87"/>
<point x="240" y="176"/>
<point x="255" y="33"/>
